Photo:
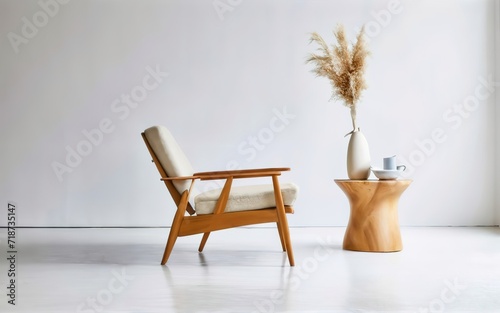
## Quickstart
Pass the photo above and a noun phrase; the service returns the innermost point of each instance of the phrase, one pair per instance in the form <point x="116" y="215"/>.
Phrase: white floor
<point x="243" y="270"/>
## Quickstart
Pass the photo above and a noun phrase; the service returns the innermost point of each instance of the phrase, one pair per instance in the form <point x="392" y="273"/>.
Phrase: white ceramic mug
<point x="390" y="164"/>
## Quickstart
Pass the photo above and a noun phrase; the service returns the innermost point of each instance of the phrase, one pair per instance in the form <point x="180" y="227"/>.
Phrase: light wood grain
<point x="245" y="173"/>
<point x="373" y="222"/>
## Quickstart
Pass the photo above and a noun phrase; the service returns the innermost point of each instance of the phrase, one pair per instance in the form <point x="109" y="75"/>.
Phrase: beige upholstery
<point x="170" y="155"/>
<point x="242" y="198"/>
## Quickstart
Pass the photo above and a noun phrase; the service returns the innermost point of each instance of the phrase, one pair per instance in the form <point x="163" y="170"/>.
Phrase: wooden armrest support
<point x="246" y="173"/>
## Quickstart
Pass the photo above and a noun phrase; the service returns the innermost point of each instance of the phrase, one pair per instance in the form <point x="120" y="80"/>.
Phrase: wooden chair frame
<point x="185" y="225"/>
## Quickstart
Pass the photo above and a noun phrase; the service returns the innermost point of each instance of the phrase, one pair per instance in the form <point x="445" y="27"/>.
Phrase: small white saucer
<point x="386" y="174"/>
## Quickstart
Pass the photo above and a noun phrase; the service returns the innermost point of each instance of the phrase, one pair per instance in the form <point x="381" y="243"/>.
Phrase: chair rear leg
<point x="203" y="241"/>
<point x="169" y="246"/>
<point x="176" y="226"/>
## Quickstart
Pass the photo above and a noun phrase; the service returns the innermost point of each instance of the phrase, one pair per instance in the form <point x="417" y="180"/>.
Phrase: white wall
<point x="231" y="74"/>
<point x="497" y="102"/>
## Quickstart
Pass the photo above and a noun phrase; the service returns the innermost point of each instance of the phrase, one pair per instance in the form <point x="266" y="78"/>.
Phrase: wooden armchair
<point x="231" y="206"/>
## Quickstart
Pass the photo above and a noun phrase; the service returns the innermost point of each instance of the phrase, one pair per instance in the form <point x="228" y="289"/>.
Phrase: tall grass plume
<point x="343" y="65"/>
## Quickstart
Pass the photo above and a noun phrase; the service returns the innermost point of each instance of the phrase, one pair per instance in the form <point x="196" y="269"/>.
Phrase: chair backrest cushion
<point x="171" y="157"/>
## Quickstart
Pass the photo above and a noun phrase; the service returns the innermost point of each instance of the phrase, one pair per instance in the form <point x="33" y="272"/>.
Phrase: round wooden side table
<point x="373" y="222"/>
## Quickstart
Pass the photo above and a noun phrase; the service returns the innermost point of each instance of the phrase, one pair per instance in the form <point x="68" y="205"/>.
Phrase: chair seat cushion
<point x="245" y="198"/>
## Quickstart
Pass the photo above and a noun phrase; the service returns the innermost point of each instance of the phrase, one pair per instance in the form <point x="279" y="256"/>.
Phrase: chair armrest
<point x="180" y="178"/>
<point x="246" y="173"/>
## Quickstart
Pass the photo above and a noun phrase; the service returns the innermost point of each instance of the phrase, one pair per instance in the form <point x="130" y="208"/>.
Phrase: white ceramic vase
<point x="358" y="157"/>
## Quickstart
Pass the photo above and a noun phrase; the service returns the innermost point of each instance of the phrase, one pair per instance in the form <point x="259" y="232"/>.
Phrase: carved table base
<point x="373" y="223"/>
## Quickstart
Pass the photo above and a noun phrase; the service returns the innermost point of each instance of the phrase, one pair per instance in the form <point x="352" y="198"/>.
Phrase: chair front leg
<point x="282" y="220"/>
<point x="280" y="232"/>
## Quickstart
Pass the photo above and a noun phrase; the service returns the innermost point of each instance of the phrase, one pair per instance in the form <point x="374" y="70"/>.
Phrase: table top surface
<point x="374" y="181"/>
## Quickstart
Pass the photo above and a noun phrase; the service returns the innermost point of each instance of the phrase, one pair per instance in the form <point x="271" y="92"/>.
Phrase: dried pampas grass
<point x="344" y="67"/>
